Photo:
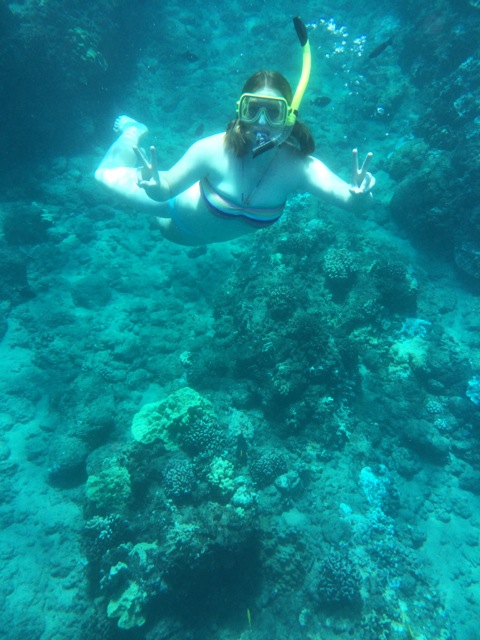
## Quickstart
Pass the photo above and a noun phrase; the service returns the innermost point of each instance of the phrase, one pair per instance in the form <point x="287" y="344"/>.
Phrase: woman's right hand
<point x="148" y="177"/>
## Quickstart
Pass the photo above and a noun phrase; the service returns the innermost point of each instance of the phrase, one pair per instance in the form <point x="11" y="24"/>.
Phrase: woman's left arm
<point x="318" y="180"/>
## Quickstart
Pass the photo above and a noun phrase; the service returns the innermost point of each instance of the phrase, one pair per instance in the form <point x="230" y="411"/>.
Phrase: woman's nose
<point x="262" y="119"/>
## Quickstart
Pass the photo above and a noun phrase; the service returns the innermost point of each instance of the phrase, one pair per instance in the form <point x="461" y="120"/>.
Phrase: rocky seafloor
<point x="275" y="437"/>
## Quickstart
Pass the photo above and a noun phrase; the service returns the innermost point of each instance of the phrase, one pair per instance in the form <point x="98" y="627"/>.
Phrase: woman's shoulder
<point x="212" y="142"/>
<point x="207" y="148"/>
<point x="292" y="157"/>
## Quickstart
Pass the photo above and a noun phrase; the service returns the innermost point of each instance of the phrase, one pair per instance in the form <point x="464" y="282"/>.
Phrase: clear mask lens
<point x="251" y="108"/>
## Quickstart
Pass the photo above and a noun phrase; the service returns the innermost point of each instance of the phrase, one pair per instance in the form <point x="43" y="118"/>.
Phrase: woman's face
<point x="262" y="130"/>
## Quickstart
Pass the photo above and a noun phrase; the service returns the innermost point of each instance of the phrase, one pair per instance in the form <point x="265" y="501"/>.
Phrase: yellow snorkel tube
<point x="302" y="34"/>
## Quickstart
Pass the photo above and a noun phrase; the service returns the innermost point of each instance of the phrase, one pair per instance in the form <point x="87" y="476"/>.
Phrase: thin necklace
<point x="246" y="199"/>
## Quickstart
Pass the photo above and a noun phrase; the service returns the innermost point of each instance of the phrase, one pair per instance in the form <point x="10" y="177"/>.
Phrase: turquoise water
<point x="271" y="438"/>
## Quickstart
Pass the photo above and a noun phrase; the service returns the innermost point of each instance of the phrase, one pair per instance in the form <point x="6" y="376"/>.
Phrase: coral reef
<point x="168" y="419"/>
<point x="179" y="479"/>
<point x="340" y="269"/>
<point x="339" y="583"/>
<point x="128" y="607"/>
<point x="110" y="490"/>
<point x="268" y="467"/>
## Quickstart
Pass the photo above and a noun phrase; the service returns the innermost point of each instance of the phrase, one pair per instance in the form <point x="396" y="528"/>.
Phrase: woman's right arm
<point x="163" y="185"/>
<point x="146" y="186"/>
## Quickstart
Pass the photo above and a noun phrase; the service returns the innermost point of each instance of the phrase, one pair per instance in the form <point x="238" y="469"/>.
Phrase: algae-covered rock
<point x="67" y="455"/>
<point x="110" y="490"/>
<point x="128" y="607"/>
<point x="143" y="552"/>
<point x="165" y="420"/>
<point x="91" y="292"/>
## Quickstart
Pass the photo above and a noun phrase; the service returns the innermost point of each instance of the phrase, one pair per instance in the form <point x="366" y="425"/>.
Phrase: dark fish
<point x="380" y="48"/>
<point x="241" y="448"/>
<point x="199" y="130"/>
<point x="189" y="56"/>
<point x="321" y="101"/>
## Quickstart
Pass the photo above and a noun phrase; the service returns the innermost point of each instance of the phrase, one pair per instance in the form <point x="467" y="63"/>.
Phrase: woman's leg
<point x="117" y="171"/>
<point x="121" y="152"/>
<point x="172" y="229"/>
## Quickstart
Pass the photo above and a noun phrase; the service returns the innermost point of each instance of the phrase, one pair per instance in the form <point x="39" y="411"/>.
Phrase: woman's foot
<point x="122" y="123"/>
<point x="121" y="156"/>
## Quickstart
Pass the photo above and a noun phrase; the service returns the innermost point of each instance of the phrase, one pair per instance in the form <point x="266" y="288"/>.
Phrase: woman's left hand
<point x="362" y="181"/>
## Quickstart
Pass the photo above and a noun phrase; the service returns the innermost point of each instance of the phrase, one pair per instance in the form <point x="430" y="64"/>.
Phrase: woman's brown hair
<point x="235" y="139"/>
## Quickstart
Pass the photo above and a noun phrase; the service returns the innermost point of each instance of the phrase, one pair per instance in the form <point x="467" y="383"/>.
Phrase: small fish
<point x="321" y="101"/>
<point x="189" y="56"/>
<point x="380" y="48"/>
<point x="199" y="130"/>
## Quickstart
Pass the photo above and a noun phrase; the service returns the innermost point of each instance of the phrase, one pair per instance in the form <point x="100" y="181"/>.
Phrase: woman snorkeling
<point x="232" y="183"/>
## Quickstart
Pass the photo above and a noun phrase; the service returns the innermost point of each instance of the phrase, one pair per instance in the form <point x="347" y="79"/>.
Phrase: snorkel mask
<point x="276" y="111"/>
<point x="252" y="106"/>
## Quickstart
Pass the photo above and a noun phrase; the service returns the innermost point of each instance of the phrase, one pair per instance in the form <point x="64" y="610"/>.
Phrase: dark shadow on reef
<point x="61" y="64"/>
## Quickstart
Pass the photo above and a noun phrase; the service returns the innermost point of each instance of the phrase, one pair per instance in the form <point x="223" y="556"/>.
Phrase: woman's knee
<point x="99" y="175"/>
<point x="120" y="178"/>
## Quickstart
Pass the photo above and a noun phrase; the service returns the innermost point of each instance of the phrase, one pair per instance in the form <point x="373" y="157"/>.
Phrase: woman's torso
<point x="261" y="182"/>
<point x="255" y="189"/>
